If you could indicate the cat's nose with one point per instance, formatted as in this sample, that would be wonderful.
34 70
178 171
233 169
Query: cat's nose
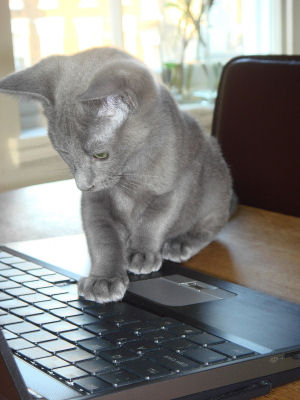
84 181
88 188
84 186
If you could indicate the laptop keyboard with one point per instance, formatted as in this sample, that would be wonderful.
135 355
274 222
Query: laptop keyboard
95 347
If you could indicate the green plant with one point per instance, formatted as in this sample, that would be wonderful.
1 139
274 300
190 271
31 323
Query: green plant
189 23
191 14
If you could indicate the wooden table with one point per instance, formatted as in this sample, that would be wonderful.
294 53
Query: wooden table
257 248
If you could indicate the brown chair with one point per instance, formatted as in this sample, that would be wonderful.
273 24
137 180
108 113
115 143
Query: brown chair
257 122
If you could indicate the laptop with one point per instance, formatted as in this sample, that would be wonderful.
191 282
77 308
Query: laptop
178 334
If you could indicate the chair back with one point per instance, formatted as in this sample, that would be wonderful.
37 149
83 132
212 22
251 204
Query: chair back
257 122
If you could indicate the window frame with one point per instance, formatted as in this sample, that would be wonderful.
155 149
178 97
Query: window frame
27 161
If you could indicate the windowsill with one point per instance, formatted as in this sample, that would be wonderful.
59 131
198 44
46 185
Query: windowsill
34 132
203 114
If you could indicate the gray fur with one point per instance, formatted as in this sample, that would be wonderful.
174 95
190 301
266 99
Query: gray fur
165 189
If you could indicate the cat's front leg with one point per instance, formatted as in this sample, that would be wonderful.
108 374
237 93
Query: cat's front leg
144 247
143 260
108 278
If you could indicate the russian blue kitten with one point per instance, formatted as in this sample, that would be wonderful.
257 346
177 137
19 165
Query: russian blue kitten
153 185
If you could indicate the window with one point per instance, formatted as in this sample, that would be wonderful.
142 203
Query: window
188 57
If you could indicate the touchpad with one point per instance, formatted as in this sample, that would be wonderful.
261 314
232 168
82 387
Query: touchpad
177 290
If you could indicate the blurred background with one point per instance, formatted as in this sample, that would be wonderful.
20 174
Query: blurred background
185 42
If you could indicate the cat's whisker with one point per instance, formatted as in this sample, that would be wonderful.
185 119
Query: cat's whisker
142 175
133 185
128 189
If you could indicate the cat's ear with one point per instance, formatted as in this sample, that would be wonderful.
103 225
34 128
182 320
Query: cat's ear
36 82
128 81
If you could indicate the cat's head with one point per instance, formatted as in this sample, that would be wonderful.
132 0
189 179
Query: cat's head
92 101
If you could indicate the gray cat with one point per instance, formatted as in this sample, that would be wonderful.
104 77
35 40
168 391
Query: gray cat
153 185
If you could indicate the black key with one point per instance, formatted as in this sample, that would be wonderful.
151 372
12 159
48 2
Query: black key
91 384
184 330
205 339
42 272
173 361
33 353
7 319
12 259
113 308
141 347
158 336
100 328
117 355
37 284
121 336
204 356
81 304
88 309
146 369
35 298
180 345
82 319
27 311
166 322
52 290
4 296
22 327
95 345
119 377
57 278
58 327
121 320
66 312
4 254
141 327
74 356
23 278
27 266
69 373
7 284
19 291
9 272
124 308
52 362
66 297
232 350
55 346
42 319
50 305
77 335
18 344
39 336
8 335
12 303
95 365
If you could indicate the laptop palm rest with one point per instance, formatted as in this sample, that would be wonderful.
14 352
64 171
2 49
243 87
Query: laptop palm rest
177 291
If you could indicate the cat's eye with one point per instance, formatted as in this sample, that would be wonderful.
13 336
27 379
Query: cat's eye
101 156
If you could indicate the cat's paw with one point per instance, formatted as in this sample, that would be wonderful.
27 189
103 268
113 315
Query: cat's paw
178 250
101 289
144 263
